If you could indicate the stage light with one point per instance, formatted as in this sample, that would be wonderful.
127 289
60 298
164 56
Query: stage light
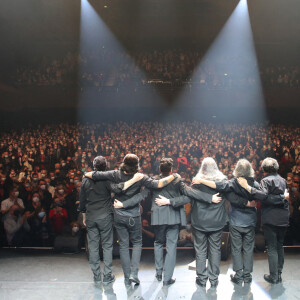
233 89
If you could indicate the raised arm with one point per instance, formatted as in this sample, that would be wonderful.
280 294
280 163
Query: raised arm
258 194
209 183
125 185
99 176
158 184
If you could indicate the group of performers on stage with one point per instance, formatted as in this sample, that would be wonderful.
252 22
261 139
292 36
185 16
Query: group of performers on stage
169 194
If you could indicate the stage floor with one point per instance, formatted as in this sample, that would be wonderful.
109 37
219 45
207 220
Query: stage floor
43 274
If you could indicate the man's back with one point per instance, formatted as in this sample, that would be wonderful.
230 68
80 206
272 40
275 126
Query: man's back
95 198
274 215
167 214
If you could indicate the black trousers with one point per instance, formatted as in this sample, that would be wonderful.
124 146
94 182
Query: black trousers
274 236
165 234
242 244
101 228
207 244
129 228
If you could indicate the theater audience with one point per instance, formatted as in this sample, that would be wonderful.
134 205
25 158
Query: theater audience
59 154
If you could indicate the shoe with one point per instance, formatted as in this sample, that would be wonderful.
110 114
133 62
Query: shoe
214 285
279 277
269 279
158 277
236 280
97 280
134 279
247 280
127 282
107 279
169 282
198 282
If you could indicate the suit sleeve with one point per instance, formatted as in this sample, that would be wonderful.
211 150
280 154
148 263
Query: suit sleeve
116 188
136 198
149 182
83 196
195 193
179 201
262 192
224 186
274 200
236 200
107 175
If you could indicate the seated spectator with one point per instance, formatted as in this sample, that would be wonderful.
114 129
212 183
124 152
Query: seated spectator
58 216
39 226
72 202
186 237
12 200
45 196
16 226
75 228
147 234
61 193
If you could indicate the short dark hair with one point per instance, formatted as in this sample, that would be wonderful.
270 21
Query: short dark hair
130 164
166 165
270 165
99 163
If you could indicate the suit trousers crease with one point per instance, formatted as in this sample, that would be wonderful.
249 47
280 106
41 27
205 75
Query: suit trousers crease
129 228
165 234
242 245
274 236
207 244
100 229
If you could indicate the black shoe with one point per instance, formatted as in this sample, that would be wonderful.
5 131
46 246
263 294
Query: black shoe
158 277
169 282
134 279
236 280
108 279
97 280
279 277
269 279
198 282
127 282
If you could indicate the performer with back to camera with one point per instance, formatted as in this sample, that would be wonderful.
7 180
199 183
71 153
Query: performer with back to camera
208 219
128 220
96 207
275 218
242 220
166 219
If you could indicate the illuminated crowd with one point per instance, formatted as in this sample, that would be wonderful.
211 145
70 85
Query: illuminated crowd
41 168
107 67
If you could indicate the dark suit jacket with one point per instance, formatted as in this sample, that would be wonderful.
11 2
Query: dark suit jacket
168 215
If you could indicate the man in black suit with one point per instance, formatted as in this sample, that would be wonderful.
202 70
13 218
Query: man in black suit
127 220
166 219
96 206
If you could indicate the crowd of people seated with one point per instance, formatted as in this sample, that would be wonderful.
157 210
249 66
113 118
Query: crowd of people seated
41 168
116 68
